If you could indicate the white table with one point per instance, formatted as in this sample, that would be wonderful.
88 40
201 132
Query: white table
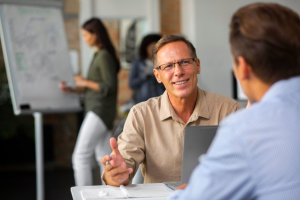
77 195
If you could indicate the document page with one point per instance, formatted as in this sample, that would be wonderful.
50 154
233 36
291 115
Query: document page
147 190
103 192
124 192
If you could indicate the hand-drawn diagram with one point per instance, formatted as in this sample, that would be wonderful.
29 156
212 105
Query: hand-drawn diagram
39 48
27 38
40 55
36 56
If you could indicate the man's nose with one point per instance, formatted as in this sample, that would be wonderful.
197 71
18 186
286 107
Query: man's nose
178 69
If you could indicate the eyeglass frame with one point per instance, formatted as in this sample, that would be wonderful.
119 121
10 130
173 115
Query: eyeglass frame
159 67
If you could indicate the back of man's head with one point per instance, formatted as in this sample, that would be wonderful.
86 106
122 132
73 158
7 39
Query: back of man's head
267 36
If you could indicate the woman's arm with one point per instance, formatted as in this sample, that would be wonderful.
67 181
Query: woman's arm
65 89
84 83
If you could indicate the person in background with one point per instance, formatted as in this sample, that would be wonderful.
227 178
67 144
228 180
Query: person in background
142 79
100 89
255 154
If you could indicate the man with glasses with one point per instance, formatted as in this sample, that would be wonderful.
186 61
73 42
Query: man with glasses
154 130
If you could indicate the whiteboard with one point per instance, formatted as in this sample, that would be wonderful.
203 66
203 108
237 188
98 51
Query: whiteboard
36 57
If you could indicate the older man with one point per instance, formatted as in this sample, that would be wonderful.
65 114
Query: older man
154 130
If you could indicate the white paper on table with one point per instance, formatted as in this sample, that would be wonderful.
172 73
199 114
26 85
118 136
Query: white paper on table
93 194
147 190
131 191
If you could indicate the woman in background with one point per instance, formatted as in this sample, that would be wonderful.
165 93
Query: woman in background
142 78
100 89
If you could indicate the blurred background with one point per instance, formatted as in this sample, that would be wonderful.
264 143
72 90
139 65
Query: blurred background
204 23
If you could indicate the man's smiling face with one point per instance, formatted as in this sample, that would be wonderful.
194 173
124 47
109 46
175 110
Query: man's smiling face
180 83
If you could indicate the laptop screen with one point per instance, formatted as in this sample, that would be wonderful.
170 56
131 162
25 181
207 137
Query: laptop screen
197 140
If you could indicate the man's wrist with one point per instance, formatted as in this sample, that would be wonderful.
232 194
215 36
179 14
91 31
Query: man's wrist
103 179
127 181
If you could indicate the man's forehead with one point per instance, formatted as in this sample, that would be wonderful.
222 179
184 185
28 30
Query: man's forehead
173 51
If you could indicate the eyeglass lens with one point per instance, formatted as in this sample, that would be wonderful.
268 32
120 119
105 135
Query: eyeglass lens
182 63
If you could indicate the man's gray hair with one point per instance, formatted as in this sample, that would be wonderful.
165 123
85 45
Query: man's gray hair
169 39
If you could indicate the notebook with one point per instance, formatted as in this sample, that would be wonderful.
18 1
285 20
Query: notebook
125 192
197 140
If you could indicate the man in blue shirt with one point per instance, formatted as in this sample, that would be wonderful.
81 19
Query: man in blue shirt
255 154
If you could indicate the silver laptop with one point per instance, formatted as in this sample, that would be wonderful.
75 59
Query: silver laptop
197 140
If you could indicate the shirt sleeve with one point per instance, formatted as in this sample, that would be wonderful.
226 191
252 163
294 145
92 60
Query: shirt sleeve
135 78
107 68
223 173
131 142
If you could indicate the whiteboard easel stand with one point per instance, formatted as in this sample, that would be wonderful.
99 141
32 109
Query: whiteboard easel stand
38 124
37 114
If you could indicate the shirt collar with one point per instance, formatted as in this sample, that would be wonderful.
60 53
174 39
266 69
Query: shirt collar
201 107
282 88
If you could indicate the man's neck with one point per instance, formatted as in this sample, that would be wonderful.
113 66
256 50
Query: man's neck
259 89
184 107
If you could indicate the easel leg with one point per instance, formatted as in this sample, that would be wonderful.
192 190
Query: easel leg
38 123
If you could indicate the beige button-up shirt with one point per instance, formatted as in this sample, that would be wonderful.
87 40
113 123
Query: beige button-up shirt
153 134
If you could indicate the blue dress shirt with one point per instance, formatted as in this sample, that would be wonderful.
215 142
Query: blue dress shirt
256 152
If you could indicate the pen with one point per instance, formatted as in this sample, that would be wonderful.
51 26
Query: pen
123 189
108 161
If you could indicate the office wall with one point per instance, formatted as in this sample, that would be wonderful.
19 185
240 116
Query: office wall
206 23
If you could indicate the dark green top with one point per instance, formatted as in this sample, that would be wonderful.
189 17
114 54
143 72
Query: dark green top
104 71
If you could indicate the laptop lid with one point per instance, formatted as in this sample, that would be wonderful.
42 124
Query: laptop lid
197 140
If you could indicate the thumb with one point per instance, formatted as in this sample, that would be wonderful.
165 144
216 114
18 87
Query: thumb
114 146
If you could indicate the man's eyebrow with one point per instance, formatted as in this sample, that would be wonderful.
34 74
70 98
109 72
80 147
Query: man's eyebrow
171 62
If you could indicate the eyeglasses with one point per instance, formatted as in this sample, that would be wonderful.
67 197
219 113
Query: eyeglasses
169 67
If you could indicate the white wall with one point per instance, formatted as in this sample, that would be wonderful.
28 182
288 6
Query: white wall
211 38
117 9
188 19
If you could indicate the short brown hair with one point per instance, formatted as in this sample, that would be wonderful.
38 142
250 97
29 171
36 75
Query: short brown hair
169 39
267 36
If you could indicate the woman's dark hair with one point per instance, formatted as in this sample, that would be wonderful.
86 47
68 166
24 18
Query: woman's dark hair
95 26
267 35
148 39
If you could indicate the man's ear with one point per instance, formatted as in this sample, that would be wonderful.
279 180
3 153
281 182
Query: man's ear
198 66
243 69
157 75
